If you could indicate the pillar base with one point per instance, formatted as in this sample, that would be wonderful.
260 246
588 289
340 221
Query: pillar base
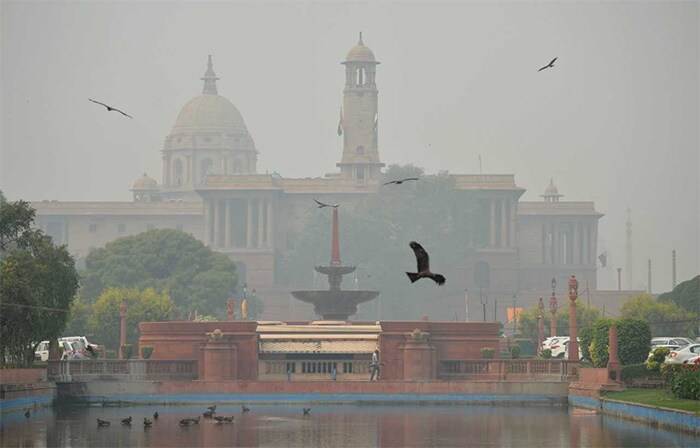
419 361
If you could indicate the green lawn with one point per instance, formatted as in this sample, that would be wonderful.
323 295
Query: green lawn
655 397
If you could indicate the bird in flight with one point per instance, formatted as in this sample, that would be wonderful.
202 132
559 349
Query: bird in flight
423 266
550 65
110 108
321 204
399 181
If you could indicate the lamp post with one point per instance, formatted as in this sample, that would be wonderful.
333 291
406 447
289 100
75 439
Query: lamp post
254 304
122 328
553 309
573 342
244 303
540 325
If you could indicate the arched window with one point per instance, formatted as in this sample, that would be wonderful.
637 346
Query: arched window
360 77
206 169
178 172
360 150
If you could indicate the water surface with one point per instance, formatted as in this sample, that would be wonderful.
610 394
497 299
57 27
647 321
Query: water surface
354 426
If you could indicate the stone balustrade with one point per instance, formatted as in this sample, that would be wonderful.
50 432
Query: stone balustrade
313 369
507 369
118 369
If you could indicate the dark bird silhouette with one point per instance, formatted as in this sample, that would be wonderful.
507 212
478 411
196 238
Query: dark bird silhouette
244 408
306 411
550 65
155 415
27 413
400 181
147 423
212 408
110 108
126 421
186 422
222 419
196 420
103 422
423 266
321 204
208 414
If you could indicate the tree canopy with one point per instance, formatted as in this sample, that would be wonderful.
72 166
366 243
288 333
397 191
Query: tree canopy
585 317
686 295
142 306
196 277
665 318
375 234
39 281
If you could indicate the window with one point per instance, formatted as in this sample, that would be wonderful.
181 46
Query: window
93 228
360 77
121 228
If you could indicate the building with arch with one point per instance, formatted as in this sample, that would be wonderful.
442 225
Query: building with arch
210 188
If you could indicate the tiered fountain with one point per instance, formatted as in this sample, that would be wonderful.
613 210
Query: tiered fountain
335 304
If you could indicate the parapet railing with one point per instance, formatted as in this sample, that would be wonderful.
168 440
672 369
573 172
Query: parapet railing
313 369
507 369
122 369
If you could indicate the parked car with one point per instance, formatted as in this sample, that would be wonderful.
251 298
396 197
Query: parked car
548 342
41 353
83 341
670 341
692 360
558 346
682 354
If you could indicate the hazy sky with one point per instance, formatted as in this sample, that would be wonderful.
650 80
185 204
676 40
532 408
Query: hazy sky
616 121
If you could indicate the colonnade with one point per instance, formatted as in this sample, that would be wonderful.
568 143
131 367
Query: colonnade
569 242
502 215
246 223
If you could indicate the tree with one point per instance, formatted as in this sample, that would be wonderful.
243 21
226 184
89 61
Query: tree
585 317
142 306
687 296
634 340
665 318
39 282
196 277
375 234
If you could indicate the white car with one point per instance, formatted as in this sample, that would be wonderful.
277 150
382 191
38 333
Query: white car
42 351
669 342
692 360
558 347
682 354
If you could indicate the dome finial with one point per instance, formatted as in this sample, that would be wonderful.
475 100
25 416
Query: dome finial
209 79
359 42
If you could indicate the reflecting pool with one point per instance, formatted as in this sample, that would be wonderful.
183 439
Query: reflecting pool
333 426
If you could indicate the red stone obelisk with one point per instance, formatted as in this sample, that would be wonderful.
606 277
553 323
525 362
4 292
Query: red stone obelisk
573 342
122 328
553 310
335 241
613 361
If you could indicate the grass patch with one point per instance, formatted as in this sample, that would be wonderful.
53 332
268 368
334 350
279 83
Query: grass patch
655 397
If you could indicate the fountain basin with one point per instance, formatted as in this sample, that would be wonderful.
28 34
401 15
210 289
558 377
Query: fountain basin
336 304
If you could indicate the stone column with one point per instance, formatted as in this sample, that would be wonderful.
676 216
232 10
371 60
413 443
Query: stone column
270 224
220 360
553 311
504 222
228 204
249 225
261 222
575 243
122 328
613 362
166 171
217 229
594 241
335 240
584 243
419 360
207 222
513 220
492 224
573 295
188 173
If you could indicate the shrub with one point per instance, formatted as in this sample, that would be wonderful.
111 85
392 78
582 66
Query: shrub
634 338
127 351
585 338
686 382
659 355
515 352
634 371
488 353
146 352
599 345
546 353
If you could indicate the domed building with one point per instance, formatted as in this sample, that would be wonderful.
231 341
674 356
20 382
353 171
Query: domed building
209 137
211 189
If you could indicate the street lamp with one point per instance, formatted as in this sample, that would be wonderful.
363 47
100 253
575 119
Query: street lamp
553 310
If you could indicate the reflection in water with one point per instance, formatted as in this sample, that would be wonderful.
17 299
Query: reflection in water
333 425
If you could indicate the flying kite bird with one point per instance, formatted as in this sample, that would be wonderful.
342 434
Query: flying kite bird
321 204
110 108
550 65
400 181
423 266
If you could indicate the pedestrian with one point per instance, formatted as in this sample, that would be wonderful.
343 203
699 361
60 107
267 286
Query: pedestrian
375 366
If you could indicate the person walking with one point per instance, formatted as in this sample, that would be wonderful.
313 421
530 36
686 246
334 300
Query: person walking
375 366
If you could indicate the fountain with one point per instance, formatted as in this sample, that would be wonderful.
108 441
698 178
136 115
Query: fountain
335 304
